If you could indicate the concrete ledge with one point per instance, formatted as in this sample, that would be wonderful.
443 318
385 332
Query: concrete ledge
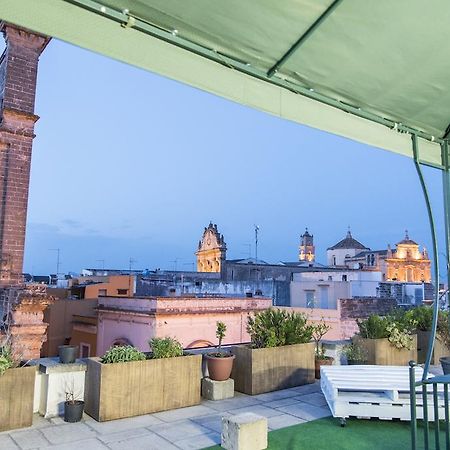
217 390
53 365
246 431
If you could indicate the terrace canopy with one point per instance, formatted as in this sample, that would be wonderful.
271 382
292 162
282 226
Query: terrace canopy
377 71
366 70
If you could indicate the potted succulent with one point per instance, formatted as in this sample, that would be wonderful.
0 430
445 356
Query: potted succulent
73 408
355 353
388 340
220 363
319 331
280 355
16 411
126 382
67 353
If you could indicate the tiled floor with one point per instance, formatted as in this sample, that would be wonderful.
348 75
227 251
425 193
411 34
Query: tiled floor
195 427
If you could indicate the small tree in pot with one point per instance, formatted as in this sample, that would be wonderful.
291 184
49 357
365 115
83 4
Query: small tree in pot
73 408
319 331
220 363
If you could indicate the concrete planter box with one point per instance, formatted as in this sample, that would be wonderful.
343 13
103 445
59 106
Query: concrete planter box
16 398
269 369
115 391
423 337
381 352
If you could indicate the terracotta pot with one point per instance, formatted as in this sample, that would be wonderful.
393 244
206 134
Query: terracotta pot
328 361
219 368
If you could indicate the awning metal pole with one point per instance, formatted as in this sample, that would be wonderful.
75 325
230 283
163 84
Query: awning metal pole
446 188
303 38
415 148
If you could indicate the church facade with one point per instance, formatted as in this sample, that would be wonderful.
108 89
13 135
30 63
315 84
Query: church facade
406 263
212 250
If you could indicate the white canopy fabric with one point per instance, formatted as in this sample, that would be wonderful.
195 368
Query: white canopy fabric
370 71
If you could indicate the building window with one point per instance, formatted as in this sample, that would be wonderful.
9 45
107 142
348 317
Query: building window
334 260
102 293
122 291
85 350
344 278
310 299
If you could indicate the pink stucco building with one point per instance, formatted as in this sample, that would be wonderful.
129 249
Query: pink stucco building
191 320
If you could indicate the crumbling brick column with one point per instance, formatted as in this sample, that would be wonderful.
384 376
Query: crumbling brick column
24 329
18 72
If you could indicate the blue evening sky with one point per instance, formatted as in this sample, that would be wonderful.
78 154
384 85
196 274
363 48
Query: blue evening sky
130 164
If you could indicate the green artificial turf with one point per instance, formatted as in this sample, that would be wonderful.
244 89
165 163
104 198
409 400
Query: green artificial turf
326 434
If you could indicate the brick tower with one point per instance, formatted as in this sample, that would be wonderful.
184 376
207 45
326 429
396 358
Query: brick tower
18 71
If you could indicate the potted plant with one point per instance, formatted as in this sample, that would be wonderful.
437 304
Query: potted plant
126 382
73 408
16 411
319 331
388 340
220 363
355 353
67 353
280 355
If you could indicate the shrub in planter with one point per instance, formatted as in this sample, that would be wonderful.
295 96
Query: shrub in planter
355 353
165 348
388 340
121 354
280 355
423 316
319 331
16 411
126 382
220 363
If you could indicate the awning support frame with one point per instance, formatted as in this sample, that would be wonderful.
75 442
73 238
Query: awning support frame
304 37
415 148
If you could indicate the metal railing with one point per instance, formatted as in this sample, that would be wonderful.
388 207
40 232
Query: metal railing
440 401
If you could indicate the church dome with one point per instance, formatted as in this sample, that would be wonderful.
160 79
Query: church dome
349 243
407 240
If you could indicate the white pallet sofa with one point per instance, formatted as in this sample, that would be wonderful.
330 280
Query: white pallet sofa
374 391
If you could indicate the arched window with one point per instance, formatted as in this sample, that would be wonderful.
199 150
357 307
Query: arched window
121 341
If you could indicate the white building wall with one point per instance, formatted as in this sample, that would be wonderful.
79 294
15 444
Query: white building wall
318 294
337 257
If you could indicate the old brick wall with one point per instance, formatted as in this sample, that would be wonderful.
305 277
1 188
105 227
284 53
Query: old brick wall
18 72
351 309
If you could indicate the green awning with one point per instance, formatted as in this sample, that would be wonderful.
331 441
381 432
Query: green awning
372 71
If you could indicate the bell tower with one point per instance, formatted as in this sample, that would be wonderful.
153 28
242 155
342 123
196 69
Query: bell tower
212 250
307 251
